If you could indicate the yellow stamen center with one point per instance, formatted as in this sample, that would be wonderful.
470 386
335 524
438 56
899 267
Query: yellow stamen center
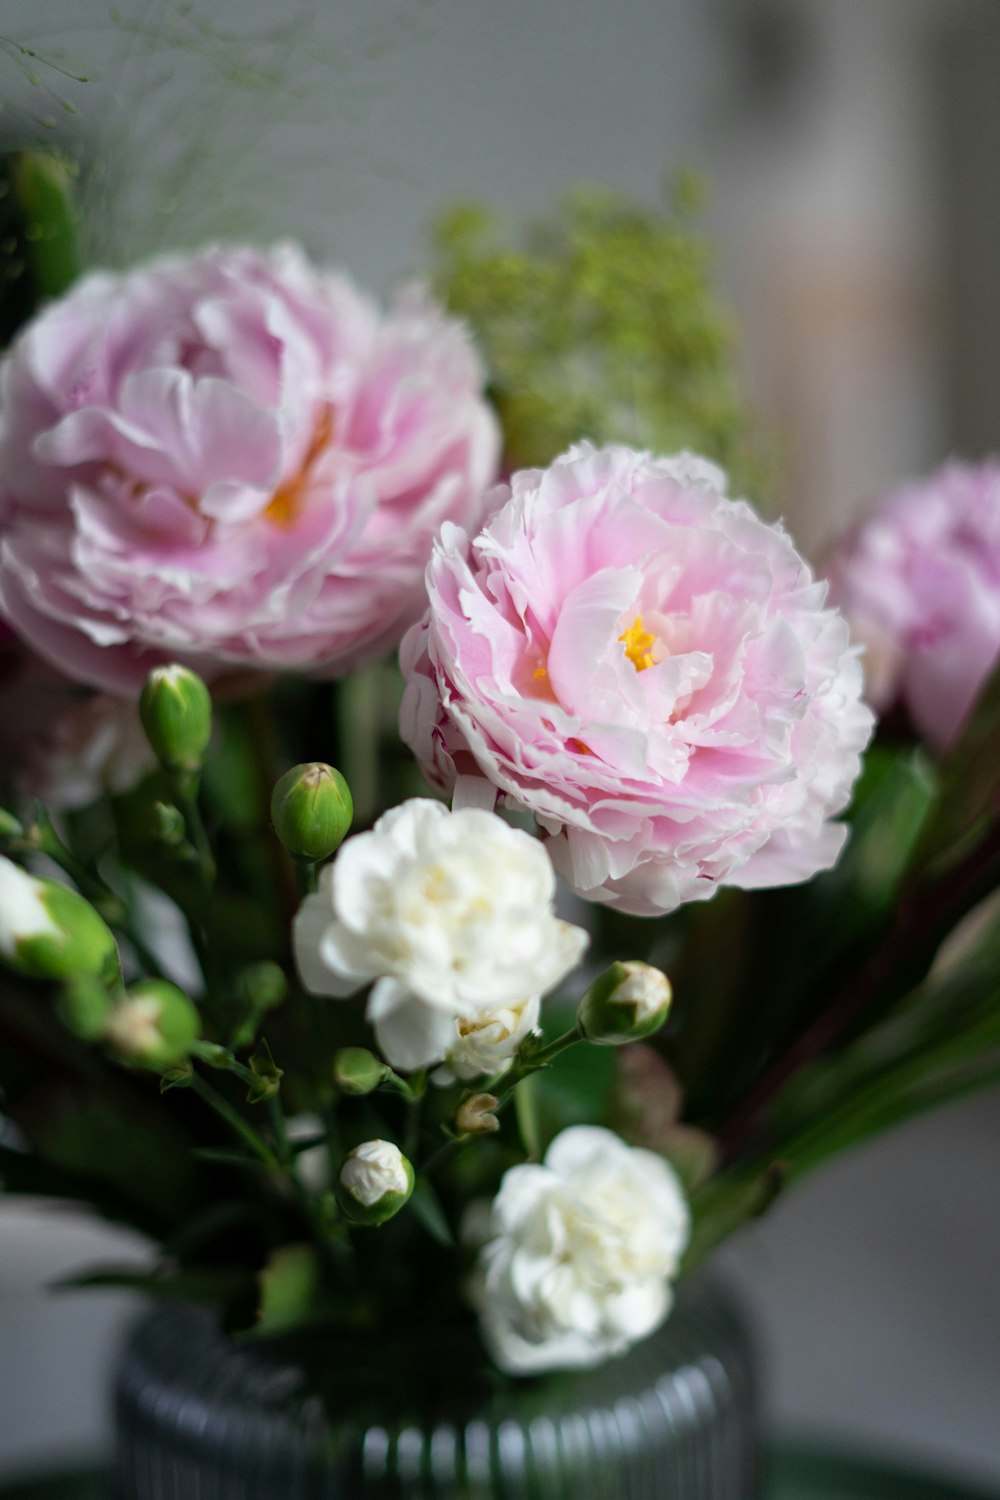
639 645
289 498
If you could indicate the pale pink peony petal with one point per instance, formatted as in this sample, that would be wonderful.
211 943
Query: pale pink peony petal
232 459
919 581
647 667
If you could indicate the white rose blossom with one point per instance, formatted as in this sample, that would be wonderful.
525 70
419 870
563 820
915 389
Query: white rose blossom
486 1042
579 1253
451 914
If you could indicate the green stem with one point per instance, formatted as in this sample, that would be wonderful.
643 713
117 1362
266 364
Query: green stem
43 837
234 1120
305 875
503 1088
186 791
279 1127
533 1063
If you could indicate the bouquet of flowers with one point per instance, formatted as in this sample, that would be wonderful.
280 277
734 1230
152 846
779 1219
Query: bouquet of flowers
384 1038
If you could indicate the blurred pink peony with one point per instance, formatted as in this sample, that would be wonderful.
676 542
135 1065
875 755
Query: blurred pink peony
919 581
231 458
647 667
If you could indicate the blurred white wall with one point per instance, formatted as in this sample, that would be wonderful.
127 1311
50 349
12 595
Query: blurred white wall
818 121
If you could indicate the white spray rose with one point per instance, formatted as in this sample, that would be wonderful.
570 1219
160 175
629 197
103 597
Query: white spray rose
579 1253
487 1041
450 913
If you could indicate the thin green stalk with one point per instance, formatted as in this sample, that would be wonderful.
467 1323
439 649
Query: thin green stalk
279 1127
186 791
43 837
240 1127
503 1088
533 1063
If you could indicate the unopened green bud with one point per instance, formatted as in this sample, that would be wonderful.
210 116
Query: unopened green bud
176 712
262 986
311 810
168 824
85 1006
374 1183
155 1026
267 1075
259 988
357 1071
48 931
10 828
475 1115
627 1002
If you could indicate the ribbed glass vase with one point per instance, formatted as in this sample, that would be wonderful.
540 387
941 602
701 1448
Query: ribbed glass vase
201 1418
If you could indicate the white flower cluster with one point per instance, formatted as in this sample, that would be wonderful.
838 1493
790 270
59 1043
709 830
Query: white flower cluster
579 1253
451 914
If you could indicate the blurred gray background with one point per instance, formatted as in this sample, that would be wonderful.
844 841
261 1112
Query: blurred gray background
852 147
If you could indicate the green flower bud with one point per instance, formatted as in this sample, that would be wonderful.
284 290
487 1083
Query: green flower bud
10 828
262 986
374 1183
259 988
48 931
357 1071
311 810
154 1027
85 1006
176 712
167 824
627 1002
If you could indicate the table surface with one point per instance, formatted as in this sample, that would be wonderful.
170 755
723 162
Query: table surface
792 1474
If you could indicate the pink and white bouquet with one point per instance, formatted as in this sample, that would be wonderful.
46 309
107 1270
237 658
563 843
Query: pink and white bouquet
231 487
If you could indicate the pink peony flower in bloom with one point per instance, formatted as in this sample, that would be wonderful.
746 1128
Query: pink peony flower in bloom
231 458
647 667
919 581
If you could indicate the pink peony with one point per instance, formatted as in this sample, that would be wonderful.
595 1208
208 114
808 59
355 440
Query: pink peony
647 667
231 458
919 581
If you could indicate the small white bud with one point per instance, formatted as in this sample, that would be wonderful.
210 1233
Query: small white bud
375 1181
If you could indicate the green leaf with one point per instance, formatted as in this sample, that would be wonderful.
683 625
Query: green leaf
288 1287
198 1284
426 1206
221 1157
969 802
725 1204
43 186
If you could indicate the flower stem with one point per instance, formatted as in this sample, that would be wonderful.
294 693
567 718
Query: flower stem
503 1090
234 1120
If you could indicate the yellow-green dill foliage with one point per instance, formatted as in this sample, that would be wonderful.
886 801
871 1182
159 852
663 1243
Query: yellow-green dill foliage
602 324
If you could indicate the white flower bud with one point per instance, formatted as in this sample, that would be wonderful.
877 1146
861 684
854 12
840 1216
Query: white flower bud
48 931
375 1181
154 1026
475 1115
627 1002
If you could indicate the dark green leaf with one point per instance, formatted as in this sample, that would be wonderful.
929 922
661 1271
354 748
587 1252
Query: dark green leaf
430 1215
288 1288
969 801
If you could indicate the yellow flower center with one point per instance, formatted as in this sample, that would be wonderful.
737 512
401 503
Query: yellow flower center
288 499
639 645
